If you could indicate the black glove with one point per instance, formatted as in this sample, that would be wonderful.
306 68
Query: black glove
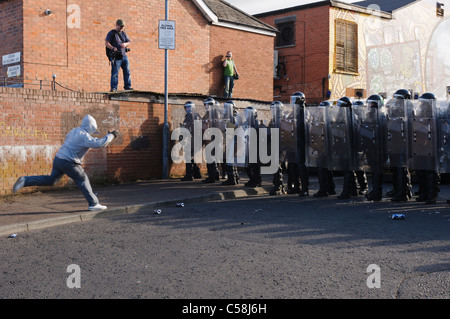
114 133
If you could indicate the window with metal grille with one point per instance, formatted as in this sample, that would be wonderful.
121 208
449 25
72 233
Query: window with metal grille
346 46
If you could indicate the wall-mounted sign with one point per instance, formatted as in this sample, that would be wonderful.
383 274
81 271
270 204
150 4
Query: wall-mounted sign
167 34
11 58
13 71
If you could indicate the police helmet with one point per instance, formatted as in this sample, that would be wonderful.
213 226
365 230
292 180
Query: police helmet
189 106
250 113
358 103
375 100
298 98
325 104
402 94
344 102
208 103
276 105
428 96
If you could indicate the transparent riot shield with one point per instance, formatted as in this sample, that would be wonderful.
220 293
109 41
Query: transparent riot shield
316 137
424 140
192 120
245 140
443 137
397 127
340 138
368 128
288 133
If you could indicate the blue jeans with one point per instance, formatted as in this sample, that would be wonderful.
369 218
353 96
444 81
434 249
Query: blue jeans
229 84
71 169
115 67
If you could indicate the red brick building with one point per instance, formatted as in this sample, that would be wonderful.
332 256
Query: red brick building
66 39
329 49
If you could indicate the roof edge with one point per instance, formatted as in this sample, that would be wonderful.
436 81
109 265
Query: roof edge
214 19
331 3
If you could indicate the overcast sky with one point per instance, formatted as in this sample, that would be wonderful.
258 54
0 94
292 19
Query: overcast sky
258 6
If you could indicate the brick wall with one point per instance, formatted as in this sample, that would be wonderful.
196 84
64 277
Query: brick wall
253 56
34 123
307 63
69 43
12 31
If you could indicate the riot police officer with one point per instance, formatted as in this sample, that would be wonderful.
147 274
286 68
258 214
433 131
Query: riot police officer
361 176
210 104
276 109
343 146
398 116
320 150
253 168
424 150
230 120
372 143
192 170
298 100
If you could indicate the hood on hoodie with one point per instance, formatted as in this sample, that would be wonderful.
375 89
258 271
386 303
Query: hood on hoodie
89 124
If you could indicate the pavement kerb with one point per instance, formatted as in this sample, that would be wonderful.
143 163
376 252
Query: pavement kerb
8 230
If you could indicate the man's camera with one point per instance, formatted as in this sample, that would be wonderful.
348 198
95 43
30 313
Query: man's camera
127 49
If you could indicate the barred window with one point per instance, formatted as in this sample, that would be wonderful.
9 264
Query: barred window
346 46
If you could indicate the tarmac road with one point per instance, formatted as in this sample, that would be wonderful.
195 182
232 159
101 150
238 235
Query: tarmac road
281 247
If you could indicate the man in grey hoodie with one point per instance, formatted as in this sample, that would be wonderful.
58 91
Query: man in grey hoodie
68 161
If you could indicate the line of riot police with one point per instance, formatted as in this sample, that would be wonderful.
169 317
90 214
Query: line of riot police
235 154
358 138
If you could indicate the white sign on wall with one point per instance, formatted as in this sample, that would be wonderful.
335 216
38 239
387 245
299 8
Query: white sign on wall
13 71
167 34
11 58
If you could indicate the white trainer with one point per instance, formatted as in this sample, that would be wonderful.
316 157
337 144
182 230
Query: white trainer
97 207
19 184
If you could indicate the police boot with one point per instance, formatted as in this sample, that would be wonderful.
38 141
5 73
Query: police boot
393 192
432 188
196 171
293 179
188 175
402 185
277 182
347 186
211 173
322 174
304 179
421 182
376 194
330 183
231 178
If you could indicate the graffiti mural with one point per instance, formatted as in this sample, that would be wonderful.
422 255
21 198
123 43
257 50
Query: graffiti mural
410 51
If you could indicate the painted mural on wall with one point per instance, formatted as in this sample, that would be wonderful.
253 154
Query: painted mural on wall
410 51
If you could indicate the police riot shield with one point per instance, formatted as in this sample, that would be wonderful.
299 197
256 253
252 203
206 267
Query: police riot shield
245 139
368 128
397 132
316 137
444 137
340 138
191 120
288 133
424 141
